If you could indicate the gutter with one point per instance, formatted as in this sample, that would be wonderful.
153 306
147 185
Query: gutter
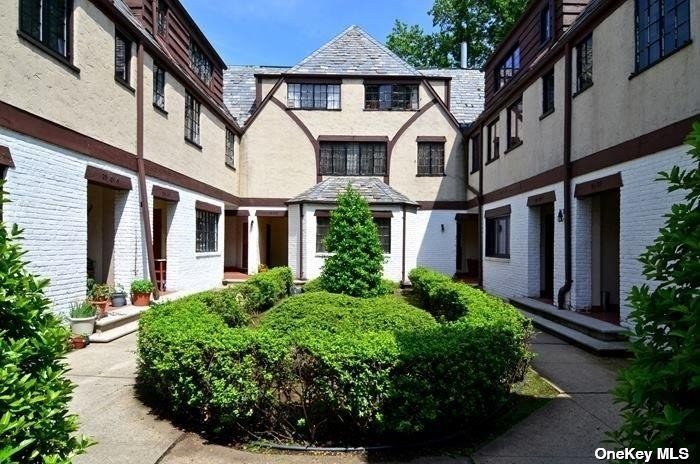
403 250
301 241
566 289
141 171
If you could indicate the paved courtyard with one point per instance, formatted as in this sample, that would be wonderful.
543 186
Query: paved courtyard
566 430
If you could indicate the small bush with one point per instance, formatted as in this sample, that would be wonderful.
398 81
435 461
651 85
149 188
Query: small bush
248 296
273 285
222 303
313 285
423 280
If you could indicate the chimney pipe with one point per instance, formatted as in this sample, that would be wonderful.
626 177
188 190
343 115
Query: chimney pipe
463 56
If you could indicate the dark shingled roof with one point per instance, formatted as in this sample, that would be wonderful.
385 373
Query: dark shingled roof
354 51
371 189
466 92
239 88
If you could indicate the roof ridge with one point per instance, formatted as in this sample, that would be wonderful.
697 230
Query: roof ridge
386 49
323 47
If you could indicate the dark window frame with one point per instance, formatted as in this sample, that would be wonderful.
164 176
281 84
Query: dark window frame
162 18
514 130
230 148
392 97
584 67
207 231
159 86
370 158
546 24
200 64
548 93
323 225
669 34
193 112
41 37
492 249
493 144
435 166
307 96
507 68
476 154
123 75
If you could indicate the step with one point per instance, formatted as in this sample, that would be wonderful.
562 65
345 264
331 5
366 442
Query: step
593 345
113 334
592 327
118 317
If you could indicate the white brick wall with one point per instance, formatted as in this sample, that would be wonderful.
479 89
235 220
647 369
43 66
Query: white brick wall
427 244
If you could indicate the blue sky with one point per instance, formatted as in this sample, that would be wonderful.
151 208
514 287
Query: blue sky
282 32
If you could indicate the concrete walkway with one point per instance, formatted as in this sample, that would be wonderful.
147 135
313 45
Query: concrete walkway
567 430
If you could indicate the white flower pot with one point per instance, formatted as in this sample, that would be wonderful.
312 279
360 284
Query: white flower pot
83 326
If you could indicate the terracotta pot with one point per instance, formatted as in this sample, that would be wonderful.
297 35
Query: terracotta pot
78 342
101 307
140 299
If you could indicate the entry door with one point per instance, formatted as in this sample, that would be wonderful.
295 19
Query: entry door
244 247
547 290
158 233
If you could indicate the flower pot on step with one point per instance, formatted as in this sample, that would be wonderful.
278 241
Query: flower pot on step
82 326
101 307
140 299
118 299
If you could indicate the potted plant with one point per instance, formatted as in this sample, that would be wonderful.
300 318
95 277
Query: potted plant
141 292
78 342
118 296
82 318
99 297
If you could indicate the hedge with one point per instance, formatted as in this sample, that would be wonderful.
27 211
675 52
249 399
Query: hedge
386 286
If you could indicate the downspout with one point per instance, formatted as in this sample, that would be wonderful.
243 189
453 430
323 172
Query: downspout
301 241
566 289
480 202
143 194
403 250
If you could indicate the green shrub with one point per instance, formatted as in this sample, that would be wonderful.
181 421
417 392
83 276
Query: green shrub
273 285
659 391
355 267
222 303
386 287
423 280
248 296
35 425
313 285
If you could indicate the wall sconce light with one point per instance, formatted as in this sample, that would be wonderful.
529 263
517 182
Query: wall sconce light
560 216
442 226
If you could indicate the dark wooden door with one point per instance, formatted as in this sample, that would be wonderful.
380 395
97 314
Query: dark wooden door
244 247
548 237
158 233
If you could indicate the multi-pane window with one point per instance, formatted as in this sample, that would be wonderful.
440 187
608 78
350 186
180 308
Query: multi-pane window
159 86
545 24
353 159
192 110
663 26
323 225
431 158
391 96
548 92
200 64
508 68
122 57
476 153
493 149
498 237
47 21
515 123
207 231
584 64
313 96
230 143
162 17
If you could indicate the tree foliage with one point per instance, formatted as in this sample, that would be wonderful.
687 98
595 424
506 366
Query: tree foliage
35 426
483 24
660 391
355 268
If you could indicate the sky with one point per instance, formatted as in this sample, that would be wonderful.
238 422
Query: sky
282 32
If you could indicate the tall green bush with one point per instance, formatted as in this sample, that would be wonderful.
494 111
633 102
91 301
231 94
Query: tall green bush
35 425
660 390
355 267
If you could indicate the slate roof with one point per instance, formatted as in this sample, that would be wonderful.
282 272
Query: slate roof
371 189
354 51
239 88
466 92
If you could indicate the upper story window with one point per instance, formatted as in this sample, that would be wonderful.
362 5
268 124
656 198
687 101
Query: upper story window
313 96
545 24
476 154
584 64
230 144
122 58
508 68
353 159
431 158
515 124
662 26
158 87
192 112
493 142
200 64
47 21
548 92
162 18
391 96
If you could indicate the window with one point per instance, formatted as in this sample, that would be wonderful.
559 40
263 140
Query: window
200 64
508 68
545 25
515 123
493 148
207 231
662 27
122 58
498 237
158 87
192 109
548 92
584 64
353 159
323 225
48 22
230 143
391 97
162 19
476 154
313 96
431 158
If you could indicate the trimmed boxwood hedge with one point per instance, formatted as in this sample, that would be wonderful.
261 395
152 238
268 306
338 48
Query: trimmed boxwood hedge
328 368
386 286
